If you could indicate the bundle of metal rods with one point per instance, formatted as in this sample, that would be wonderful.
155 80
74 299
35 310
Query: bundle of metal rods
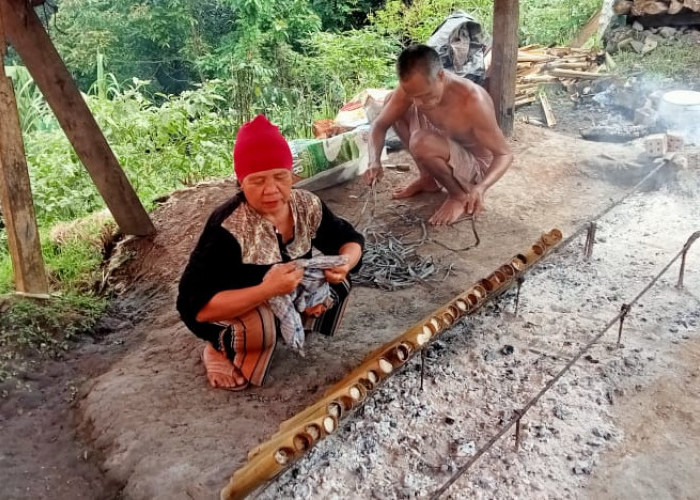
390 263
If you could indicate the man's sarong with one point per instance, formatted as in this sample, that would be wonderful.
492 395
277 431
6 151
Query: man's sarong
467 168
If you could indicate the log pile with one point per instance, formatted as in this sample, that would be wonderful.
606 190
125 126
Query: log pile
566 65
639 8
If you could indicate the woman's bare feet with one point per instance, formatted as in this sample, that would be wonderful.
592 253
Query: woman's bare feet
421 184
220 371
451 210
315 311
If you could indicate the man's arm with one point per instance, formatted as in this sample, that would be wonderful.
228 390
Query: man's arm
489 136
395 106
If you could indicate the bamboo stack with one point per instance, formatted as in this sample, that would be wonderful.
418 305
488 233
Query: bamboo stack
566 65
641 8
300 433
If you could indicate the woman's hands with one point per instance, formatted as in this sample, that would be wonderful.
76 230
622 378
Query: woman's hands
282 279
337 274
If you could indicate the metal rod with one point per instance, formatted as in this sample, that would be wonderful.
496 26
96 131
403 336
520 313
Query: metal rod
519 282
590 240
682 271
517 433
686 247
623 314
422 367
513 421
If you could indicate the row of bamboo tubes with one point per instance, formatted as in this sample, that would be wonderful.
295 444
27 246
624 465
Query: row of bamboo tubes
300 433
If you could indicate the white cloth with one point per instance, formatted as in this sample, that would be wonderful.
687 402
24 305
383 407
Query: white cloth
312 291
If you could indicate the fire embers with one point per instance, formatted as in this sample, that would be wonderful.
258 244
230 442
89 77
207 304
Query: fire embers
300 433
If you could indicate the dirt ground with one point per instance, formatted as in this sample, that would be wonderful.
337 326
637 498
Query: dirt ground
132 416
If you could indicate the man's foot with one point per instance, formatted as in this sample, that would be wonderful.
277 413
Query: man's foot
220 371
449 212
421 184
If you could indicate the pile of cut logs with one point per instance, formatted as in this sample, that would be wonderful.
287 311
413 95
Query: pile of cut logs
537 65
655 7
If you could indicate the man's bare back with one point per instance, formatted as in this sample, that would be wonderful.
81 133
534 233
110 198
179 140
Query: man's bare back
449 126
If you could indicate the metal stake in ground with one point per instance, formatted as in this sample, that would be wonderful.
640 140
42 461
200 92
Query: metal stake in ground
686 247
520 280
517 430
623 314
590 240
422 367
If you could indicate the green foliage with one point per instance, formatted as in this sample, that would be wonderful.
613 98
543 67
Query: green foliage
553 21
150 40
343 15
372 57
34 113
416 23
72 266
679 61
161 147
46 326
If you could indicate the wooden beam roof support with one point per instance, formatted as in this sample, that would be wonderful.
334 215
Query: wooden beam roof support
25 32
16 193
504 64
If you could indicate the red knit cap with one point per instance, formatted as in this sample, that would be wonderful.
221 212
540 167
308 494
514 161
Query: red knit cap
260 146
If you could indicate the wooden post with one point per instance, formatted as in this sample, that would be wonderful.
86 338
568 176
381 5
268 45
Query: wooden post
16 193
25 32
505 62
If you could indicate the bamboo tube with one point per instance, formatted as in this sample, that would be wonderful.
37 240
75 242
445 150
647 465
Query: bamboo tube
300 433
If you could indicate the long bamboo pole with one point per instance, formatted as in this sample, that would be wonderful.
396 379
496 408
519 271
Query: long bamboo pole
301 432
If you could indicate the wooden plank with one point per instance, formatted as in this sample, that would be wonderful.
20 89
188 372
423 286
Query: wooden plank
524 101
570 73
590 29
16 198
526 57
505 60
547 109
28 37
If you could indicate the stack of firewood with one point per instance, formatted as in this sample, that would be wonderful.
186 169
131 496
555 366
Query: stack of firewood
655 7
537 65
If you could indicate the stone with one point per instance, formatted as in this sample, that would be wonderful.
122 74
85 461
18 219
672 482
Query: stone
667 31
649 45
637 46
637 26
582 468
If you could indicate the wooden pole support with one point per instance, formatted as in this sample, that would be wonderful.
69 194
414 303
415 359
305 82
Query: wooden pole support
16 195
505 62
25 32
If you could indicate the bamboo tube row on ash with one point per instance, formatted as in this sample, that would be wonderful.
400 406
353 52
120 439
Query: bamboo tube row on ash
538 65
655 7
300 433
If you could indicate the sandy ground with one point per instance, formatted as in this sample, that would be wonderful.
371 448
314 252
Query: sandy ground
149 427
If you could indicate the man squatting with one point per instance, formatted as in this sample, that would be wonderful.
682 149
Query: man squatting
448 124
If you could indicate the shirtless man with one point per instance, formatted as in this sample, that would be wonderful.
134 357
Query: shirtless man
449 126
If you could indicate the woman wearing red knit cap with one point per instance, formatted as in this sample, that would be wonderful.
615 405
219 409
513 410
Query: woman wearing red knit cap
250 255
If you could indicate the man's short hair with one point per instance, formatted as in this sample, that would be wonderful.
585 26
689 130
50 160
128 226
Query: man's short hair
418 58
